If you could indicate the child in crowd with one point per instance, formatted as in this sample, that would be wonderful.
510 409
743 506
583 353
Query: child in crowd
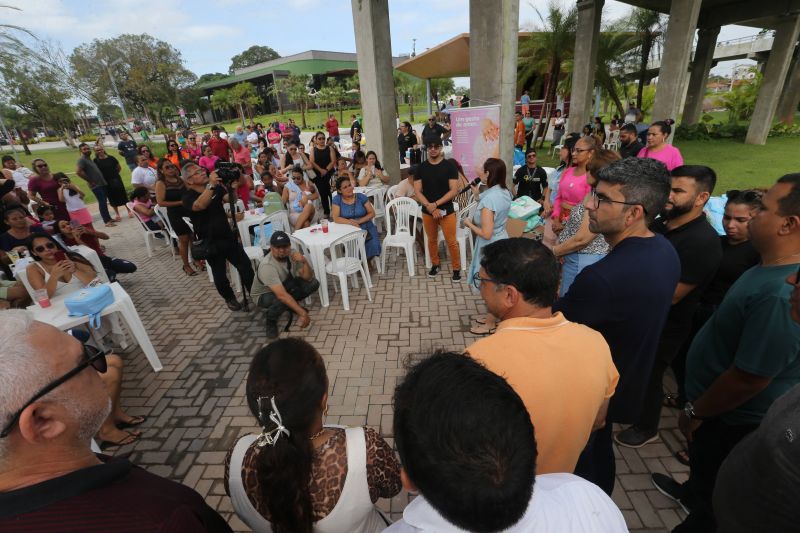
143 206
72 196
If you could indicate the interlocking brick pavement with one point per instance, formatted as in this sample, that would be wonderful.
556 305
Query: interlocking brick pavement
196 407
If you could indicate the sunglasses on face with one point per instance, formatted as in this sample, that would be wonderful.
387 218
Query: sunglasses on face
41 165
91 357
41 248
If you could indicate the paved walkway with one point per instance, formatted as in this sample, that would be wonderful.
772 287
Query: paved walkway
196 407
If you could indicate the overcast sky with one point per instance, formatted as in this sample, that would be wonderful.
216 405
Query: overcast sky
209 32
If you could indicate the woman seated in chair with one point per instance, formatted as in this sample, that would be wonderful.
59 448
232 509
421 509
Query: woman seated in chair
143 207
350 207
342 171
299 475
73 236
372 174
61 272
299 196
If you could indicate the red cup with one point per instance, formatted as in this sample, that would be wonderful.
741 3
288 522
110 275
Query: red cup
324 226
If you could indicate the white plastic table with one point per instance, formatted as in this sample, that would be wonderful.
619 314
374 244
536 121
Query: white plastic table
251 220
57 316
317 242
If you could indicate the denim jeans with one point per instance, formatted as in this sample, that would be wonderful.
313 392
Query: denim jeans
102 202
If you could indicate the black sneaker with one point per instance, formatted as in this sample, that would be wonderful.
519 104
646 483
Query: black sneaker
233 305
634 437
457 276
669 488
432 273
272 329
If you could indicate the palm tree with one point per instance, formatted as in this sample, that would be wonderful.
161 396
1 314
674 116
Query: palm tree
544 53
222 100
244 96
649 27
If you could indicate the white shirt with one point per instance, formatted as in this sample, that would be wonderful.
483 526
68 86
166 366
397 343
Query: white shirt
146 177
562 503
252 138
20 178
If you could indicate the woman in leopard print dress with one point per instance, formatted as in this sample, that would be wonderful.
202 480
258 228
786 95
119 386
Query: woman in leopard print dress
300 475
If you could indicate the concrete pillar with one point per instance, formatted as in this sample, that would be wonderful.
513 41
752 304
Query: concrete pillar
675 60
428 95
586 44
787 106
374 51
703 61
494 32
786 33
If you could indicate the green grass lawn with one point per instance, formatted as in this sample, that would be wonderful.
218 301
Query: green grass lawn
315 120
65 159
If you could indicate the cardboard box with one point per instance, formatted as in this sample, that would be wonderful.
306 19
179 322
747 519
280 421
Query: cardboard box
515 227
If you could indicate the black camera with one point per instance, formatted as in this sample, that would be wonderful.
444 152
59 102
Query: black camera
228 172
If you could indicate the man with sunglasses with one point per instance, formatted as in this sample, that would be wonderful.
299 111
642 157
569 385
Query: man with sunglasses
531 180
51 403
433 131
562 371
626 295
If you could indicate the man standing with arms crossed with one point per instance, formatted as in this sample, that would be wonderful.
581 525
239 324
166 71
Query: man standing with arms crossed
435 186
626 295
88 170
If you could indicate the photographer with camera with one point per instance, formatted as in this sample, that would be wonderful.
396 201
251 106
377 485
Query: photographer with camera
204 198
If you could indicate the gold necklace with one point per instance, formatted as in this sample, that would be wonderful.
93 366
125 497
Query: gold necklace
778 260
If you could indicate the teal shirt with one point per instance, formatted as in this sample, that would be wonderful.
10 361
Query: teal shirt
751 330
528 122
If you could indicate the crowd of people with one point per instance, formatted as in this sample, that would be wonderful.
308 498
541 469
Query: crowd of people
628 280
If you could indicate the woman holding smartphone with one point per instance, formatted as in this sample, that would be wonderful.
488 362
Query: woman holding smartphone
55 269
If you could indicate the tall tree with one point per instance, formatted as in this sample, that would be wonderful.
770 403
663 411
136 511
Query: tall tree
544 53
211 76
148 72
277 90
297 92
649 27
252 56
408 89
441 88
244 97
222 100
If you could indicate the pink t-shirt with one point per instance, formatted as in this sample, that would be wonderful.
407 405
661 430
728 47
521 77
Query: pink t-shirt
243 158
571 189
669 155
208 162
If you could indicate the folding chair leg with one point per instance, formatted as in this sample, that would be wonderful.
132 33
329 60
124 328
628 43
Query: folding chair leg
147 244
345 295
366 284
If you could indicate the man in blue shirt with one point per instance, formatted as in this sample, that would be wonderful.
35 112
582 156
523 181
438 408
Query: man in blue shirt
625 296
744 358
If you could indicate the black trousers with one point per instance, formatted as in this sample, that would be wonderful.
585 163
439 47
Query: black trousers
229 252
323 184
672 339
298 288
711 444
596 462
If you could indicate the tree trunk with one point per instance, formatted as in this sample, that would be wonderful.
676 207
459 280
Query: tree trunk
647 46
303 115
549 96
23 141
411 107
341 113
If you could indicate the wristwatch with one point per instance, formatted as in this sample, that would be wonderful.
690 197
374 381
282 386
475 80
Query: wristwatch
688 410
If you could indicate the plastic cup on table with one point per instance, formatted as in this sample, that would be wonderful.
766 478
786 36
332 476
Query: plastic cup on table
41 297
324 224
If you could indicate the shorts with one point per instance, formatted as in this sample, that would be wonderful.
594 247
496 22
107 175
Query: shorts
4 286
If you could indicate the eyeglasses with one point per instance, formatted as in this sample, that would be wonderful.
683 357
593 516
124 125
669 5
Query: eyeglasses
92 357
477 280
599 198
747 196
43 247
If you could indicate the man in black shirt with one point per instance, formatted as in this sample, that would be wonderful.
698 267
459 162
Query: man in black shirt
435 186
531 180
127 149
433 131
626 295
204 198
629 144
355 126
684 225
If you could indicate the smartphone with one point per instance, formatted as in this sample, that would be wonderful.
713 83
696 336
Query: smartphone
60 256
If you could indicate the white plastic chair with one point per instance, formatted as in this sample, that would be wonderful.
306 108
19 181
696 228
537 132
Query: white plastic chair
162 212
556 148
463 236
378 199
351 261
239 207
612 142
149 233
279 221
401 228
391 193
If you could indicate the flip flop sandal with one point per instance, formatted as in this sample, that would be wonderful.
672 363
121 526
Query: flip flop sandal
190 271
135 421
672 401
481 329
130 439
479 319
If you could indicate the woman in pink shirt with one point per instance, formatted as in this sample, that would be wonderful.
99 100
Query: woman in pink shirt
573 187
208 160
657 147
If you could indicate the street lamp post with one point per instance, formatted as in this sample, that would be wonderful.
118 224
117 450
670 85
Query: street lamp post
114 86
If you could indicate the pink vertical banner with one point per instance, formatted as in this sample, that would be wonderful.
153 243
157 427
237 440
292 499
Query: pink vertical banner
475 133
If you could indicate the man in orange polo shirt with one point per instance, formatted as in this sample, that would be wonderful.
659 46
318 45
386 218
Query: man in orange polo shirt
563 371
519 131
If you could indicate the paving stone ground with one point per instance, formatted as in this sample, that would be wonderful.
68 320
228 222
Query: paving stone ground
196 409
